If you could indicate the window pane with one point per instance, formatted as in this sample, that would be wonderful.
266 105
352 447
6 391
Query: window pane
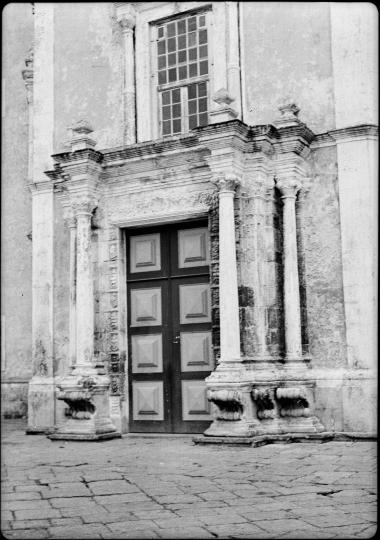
171 45
166 128
192 106
176 109
192 39
161 77
161 47
192 23
165 113
176 95
203 68
171 29
165 98
182 42
181 26
192 70
161 32
193 121
192 91
182 73
202 20
203 51
203 121
172 75
203 36
172 59
182 55
176 126
202 104
202 89
192 54
161 62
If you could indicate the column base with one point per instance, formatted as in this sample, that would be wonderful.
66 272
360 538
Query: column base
41 405
88 414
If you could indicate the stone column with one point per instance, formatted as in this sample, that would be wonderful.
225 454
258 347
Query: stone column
72 224
127 21
84 289
228 285
288 188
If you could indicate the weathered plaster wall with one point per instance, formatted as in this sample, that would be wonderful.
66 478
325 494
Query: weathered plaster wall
286 56
16 246
321 263
88 74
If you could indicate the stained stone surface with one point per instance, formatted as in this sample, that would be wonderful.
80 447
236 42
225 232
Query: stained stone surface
166 487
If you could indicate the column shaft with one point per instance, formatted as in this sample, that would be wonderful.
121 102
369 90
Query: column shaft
228 286
293 340
72 285
84 293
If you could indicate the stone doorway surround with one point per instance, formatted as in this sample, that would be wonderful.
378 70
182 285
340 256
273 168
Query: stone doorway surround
232 173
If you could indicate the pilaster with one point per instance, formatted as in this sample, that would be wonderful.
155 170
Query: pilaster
126 17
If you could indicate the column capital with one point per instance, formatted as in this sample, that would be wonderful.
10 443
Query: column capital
82 204
226 183
127 19
288 187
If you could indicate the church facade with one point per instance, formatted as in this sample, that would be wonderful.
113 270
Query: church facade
197 245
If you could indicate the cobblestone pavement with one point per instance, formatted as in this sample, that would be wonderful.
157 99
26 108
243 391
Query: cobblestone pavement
170 488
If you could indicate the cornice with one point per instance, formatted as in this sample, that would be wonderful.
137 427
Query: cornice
354 132
330 138
88 154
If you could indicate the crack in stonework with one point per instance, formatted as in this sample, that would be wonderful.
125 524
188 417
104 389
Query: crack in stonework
326 493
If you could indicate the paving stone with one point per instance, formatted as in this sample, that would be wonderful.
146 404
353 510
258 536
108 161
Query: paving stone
276 526
191 532
131 534
65 522
21 496
237 530
74 511
175 499
30 524
218 495
178 522
132 525
20 534
227 518
76 502
36 505
78 531
111 487
122 497
6 515
334 519
107 517
42 514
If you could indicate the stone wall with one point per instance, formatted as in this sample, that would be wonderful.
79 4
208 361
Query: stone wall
286 57
88 72
16 214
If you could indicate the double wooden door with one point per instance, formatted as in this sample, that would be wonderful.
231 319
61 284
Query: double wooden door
169 328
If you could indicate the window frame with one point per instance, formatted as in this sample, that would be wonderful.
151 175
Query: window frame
158 89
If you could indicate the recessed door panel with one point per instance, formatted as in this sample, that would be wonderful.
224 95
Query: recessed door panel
195 405
195 303
196 351
148 401
147 353
193 248
146 307
145 253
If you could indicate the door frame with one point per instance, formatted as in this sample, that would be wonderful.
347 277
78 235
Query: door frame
124 227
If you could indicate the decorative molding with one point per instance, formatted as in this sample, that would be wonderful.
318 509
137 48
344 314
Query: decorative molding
226 183
288 116
288 187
